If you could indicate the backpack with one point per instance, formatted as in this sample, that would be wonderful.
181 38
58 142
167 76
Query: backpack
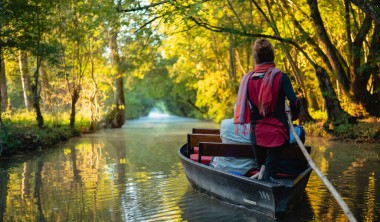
300 132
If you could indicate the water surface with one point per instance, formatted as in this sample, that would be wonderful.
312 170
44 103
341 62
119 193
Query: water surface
134 174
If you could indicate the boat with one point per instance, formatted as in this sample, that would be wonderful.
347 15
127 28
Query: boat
267 198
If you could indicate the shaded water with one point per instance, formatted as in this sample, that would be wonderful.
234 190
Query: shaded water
134 174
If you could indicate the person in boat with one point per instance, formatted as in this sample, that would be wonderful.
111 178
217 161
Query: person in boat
234 165
261 100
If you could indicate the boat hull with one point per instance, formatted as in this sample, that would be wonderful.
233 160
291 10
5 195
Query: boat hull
267 198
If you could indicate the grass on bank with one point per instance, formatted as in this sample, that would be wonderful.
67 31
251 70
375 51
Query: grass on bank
365 131
19 132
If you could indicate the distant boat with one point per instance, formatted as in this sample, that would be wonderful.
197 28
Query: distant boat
271 199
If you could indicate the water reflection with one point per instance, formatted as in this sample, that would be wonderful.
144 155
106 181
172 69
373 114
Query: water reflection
134 174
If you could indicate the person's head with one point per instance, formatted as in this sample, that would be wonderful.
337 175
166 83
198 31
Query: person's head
262 51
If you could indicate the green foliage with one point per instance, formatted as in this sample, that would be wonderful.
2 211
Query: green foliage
15 138
137 105
19 132
315 129
318 114
7 139
362 132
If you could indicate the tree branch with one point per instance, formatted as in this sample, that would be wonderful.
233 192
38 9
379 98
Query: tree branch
369 7
306 36
331 51
237 16
252 35
140 8
149 22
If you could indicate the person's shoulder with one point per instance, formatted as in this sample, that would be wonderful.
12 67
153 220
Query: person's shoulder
285 77
284 74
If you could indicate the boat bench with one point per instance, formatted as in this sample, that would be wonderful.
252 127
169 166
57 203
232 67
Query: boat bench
193 140
243 150
292 155
233 150
202 134
205 131
203 144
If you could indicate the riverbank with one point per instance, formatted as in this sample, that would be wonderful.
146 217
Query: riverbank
16 139
365 131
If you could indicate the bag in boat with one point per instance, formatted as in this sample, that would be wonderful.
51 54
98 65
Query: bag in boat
300 132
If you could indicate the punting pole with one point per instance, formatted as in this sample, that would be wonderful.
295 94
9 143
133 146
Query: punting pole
329 186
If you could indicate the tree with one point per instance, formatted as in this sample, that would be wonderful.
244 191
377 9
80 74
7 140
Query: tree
365 83
333 65
116 117
3 85
25 79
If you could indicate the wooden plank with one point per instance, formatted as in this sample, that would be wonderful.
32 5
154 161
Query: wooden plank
205 131
225 149
244 150
194 139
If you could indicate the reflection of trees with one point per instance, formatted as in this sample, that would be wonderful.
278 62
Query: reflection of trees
351 169
150 167
95 156
78 192
26 177
38 190
4 178
364 178
119 149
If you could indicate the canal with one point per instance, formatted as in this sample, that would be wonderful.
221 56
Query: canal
134 174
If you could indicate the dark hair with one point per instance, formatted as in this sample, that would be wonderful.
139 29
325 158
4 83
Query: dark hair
262 51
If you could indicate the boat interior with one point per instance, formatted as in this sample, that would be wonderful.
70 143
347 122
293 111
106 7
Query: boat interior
204 144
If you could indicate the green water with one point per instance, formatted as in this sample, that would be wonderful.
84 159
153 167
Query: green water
134 174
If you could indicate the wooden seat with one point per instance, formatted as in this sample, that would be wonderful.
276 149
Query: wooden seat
292 156
244 150
193 140
203 146
205 131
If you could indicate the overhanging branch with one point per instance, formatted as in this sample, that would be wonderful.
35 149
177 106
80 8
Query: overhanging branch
140 8
252 35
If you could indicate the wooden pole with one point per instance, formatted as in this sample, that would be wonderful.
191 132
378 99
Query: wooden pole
329 186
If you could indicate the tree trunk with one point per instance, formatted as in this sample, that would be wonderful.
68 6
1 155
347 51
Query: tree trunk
74 100
116 118
25 79
232 58
93 100
336 114
370 79
307 38
36 95
36 105
330 50
3 85
45 88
